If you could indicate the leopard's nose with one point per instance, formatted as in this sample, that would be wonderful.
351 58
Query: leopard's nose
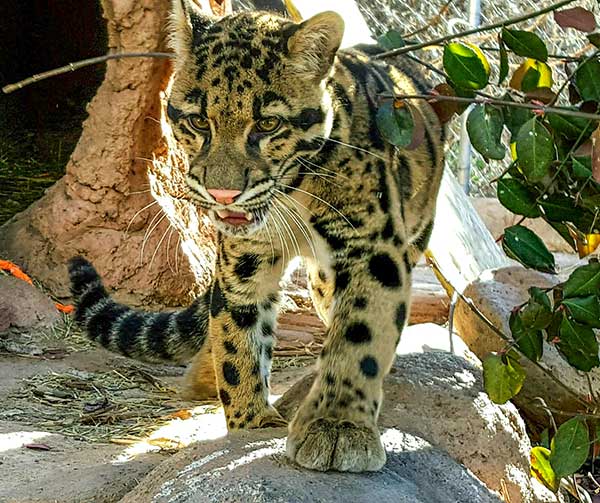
224 196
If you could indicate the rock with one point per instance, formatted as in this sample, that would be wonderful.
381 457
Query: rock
24 306
251 467
438 397
496 293
497 218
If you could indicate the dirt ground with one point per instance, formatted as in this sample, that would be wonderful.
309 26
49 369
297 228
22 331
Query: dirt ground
80 424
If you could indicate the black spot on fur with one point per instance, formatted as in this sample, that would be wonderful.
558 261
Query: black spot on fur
266 329
329 379
258 388
360 394
388 230
423 239
244 316
224 396
347 383
342 280
401 315
230 347
249 417
231 425
369 366
384 270
247 266
360 302
237 414
231 373
358 333
217 300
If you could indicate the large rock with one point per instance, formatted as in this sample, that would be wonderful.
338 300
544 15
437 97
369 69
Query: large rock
445 440
251 467
439 397
24 306
495 294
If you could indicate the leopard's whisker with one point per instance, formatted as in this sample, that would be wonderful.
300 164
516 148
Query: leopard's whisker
300 224
148 234
320 200
322 168
148 206
158 245
349 145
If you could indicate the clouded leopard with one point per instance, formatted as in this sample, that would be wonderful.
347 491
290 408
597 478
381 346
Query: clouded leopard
279 128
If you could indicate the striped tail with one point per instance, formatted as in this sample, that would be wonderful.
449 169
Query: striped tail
172 336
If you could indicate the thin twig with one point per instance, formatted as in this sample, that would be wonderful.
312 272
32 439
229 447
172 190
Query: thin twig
493 101
71 67
480 29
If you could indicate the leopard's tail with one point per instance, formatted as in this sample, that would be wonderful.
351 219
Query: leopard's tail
169 336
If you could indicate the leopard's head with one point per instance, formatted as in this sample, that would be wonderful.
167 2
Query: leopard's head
249 107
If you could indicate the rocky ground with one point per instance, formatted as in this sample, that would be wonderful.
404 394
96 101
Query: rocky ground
80 424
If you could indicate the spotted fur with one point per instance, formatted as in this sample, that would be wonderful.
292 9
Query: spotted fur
323 184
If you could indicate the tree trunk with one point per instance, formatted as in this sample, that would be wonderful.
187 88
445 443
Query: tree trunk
97 209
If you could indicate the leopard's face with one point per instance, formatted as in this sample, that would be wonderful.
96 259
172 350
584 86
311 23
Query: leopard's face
249 107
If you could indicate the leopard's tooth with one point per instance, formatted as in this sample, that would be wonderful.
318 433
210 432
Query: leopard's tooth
222 213
249 216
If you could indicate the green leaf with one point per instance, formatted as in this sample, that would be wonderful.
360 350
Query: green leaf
502 377
504 68
536 316
573 128
464 67
484 125
584 309
560 208
526 247
530 80
570 447
391 40
525 43
587 80
541 468
584 280
594 39
516 197
578 345
535 150
529 341
395 124
515 117
582 167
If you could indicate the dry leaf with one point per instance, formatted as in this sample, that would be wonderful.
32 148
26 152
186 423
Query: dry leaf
38 447
579 18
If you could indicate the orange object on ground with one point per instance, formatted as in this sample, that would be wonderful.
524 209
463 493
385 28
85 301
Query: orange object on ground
15 270
67 309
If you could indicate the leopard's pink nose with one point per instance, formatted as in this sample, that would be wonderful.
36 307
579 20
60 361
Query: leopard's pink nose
224 196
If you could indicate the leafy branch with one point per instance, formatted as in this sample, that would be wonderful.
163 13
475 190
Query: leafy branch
473 31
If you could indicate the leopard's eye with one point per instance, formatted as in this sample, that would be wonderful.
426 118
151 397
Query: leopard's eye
198 123
268 125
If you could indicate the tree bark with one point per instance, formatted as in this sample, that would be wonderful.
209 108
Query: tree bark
96 210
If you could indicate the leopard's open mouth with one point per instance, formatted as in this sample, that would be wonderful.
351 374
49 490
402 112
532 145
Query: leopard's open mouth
239 222
235 218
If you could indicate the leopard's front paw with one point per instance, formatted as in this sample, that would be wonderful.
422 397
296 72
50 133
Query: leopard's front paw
330 444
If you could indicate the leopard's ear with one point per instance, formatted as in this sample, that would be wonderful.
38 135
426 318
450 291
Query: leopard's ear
314 42
187 20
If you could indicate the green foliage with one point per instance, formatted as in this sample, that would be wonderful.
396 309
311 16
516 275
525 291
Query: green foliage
569 447
523 245
553 176
465 67
503 377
